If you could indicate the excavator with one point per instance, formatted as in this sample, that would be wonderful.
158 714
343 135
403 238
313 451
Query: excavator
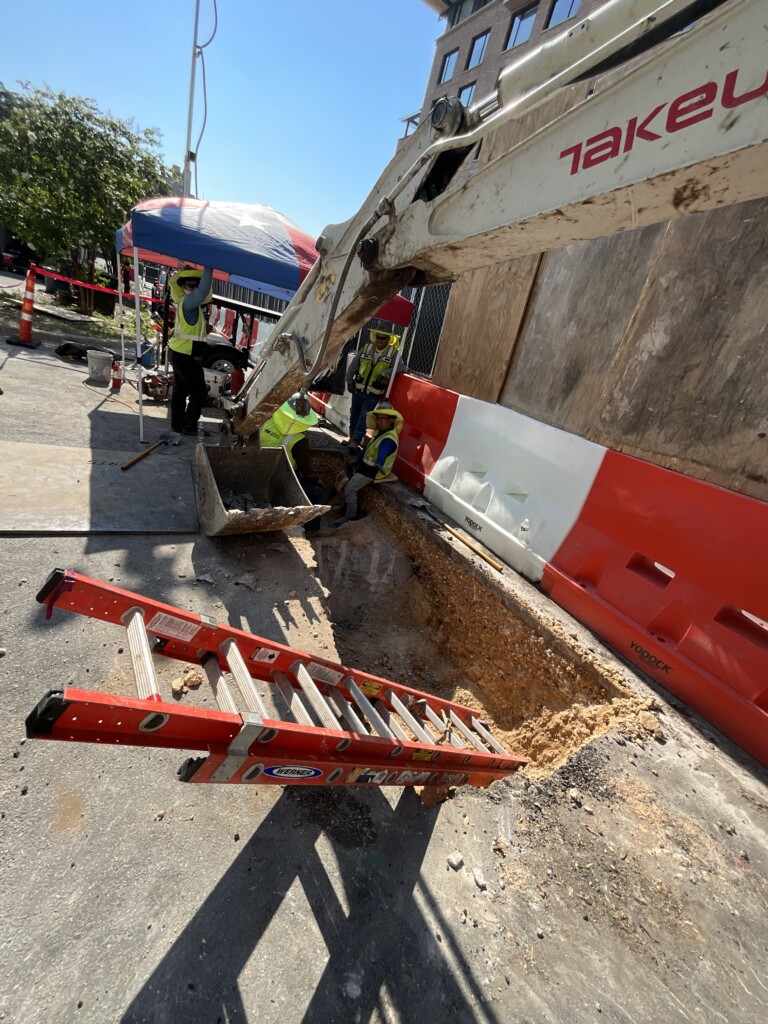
681 130
677 125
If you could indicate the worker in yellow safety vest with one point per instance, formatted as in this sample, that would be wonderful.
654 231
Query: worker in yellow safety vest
368 377
375 463
287 428
190 289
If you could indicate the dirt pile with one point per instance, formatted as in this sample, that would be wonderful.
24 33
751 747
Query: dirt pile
456 638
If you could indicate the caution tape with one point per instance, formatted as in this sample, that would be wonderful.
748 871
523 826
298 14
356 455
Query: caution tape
92 287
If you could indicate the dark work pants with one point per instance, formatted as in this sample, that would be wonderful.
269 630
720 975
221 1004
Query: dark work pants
189 391
361 405
316 495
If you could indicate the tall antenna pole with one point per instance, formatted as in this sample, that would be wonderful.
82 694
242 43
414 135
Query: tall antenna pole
188 155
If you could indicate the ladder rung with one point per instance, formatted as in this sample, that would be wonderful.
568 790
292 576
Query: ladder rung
346 710
313 695
219 685
487 736
378 724
466 731
243 678
394 725
292 698
410 720
141 656
444 728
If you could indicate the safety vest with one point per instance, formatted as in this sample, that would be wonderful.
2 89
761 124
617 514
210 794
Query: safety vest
282 431
372 450
185 333
368 376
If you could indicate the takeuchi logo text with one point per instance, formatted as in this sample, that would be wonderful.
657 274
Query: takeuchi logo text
685 110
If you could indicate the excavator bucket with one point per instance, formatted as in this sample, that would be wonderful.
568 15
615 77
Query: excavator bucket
247 490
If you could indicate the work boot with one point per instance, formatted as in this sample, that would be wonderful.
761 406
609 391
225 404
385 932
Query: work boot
344 521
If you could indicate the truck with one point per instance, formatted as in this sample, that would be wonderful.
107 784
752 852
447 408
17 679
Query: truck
624 544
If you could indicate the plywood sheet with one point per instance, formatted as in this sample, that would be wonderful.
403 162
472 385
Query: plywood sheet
481 326
52 489
688 386
581 305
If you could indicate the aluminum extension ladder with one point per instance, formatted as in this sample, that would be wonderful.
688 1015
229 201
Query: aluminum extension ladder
341 726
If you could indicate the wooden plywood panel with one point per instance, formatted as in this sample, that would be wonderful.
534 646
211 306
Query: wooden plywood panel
582 303
688 386
481 325
487 306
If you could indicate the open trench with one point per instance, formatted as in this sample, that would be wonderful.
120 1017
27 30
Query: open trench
404 607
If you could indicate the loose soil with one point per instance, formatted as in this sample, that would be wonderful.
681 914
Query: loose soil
407 610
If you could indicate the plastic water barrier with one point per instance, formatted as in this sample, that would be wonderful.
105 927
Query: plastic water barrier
671 572
668 570
513 483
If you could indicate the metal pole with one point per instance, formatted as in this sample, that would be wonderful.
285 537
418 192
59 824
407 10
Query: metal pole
186 180
137 306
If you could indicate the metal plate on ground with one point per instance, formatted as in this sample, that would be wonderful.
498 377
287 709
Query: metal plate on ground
52 489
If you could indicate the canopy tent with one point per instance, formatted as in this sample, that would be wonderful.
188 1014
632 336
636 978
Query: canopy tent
249 245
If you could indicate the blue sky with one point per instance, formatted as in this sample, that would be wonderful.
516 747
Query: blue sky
304 97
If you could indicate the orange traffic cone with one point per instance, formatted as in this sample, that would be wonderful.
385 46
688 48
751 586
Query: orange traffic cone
25 326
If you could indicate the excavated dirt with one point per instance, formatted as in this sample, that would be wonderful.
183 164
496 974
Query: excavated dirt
456 638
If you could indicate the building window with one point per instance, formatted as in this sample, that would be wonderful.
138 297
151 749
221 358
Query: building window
449 66
466 94
462 10
521 27
477 50
562 10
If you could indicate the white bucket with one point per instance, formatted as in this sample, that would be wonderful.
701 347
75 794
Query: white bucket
99 367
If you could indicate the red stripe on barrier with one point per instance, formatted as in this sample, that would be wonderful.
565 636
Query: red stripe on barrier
671 572
428 413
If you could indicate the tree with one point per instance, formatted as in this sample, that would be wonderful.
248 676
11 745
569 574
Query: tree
69 175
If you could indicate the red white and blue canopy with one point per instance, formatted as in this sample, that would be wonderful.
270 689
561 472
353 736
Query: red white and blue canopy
249 245
246 244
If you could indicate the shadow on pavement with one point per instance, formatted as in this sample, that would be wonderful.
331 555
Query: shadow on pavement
382 958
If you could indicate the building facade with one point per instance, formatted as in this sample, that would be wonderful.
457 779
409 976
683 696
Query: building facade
483 36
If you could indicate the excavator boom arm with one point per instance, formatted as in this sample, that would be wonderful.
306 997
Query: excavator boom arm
684 130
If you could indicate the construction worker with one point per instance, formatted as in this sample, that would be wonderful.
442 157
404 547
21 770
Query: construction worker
287 428
375 463
368 377
190 290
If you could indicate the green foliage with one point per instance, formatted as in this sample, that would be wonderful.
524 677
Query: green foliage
69 175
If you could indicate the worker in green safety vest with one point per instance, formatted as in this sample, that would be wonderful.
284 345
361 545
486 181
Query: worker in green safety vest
368 377
374 464
287 428
190 290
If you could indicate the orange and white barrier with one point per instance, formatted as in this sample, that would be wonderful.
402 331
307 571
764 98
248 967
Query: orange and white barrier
24 337
668 570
